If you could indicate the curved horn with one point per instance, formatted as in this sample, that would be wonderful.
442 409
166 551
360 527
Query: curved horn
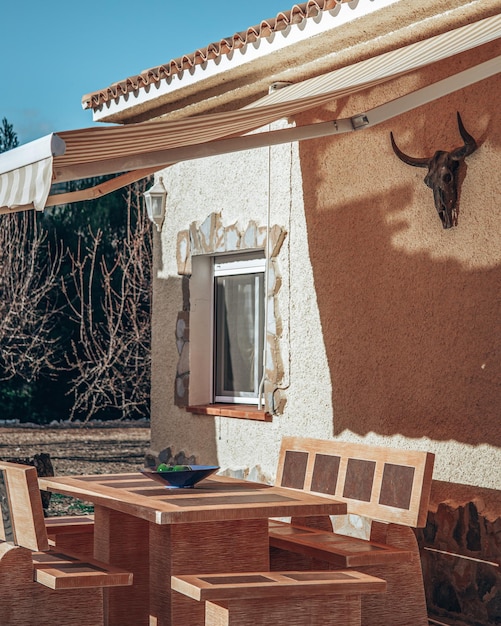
470 145
408 159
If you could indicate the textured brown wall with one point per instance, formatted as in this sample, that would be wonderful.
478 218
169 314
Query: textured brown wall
411 313
460 554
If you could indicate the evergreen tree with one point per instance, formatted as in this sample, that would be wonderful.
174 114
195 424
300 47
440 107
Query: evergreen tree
8 138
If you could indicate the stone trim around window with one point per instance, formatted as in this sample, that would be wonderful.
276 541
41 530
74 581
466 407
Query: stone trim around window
210 238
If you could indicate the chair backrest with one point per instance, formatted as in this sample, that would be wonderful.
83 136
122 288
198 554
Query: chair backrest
22 520
385 484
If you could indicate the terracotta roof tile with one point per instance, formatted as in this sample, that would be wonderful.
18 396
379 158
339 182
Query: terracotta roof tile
214 50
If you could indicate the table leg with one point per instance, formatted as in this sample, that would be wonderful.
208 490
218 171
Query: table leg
200 547
123 540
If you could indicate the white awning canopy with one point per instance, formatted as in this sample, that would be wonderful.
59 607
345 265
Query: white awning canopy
137 150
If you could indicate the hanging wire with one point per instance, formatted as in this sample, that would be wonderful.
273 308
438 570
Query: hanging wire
261 400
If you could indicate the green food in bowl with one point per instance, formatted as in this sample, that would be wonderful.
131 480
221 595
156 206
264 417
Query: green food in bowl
163 467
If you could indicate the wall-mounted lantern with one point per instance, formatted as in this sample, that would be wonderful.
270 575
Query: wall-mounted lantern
156 199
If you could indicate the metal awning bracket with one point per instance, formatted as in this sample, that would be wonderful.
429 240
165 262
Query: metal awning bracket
359 121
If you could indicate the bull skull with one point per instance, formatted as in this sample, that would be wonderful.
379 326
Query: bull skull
443 169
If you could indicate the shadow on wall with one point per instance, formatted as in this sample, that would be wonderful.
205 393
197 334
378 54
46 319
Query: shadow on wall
413 338
176 436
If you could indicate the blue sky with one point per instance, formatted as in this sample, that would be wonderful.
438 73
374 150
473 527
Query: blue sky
54 52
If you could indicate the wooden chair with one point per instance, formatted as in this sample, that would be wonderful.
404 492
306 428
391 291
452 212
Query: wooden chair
66 532
389 486
280 598
39 585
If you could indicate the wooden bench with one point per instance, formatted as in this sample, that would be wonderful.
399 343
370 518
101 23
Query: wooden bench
71 533
37 584
280 598
389 486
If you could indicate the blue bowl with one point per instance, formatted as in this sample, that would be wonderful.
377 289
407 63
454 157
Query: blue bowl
183 478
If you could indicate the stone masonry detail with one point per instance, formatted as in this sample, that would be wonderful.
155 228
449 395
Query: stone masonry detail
460 556
211 237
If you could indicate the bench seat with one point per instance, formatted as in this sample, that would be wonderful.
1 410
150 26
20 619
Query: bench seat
316 598
62 571
24 601
69 524
338 550
71 533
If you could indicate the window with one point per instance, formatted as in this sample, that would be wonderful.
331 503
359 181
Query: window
238 328
209 376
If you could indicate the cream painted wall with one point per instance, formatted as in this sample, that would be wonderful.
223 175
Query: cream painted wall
237 186
362 238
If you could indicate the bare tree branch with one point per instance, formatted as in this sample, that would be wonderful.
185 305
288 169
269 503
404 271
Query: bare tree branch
111 360
29 272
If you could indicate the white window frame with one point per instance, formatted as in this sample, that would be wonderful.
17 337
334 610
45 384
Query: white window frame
239 265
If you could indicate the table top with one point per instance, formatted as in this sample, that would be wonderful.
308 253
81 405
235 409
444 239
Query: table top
213 499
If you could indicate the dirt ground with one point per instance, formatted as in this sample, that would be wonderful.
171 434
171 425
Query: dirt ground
79 450
90 450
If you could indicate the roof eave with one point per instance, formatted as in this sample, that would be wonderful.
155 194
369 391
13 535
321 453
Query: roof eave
244 74
333 39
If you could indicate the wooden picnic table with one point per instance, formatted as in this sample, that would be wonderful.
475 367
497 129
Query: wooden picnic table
221 525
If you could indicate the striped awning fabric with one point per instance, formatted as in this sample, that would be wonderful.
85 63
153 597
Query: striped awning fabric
146 146
26 187
26 173
393 63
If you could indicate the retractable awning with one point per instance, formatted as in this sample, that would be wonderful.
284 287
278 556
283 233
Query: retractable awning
137 150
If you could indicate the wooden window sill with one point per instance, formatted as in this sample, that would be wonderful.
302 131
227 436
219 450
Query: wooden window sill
240 411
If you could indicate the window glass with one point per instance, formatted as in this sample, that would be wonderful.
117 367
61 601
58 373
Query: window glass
239 328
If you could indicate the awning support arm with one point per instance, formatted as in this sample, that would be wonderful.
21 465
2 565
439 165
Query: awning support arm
100 190
161 159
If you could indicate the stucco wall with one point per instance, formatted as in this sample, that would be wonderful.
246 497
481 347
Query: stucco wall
237 187
411 312
391 325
